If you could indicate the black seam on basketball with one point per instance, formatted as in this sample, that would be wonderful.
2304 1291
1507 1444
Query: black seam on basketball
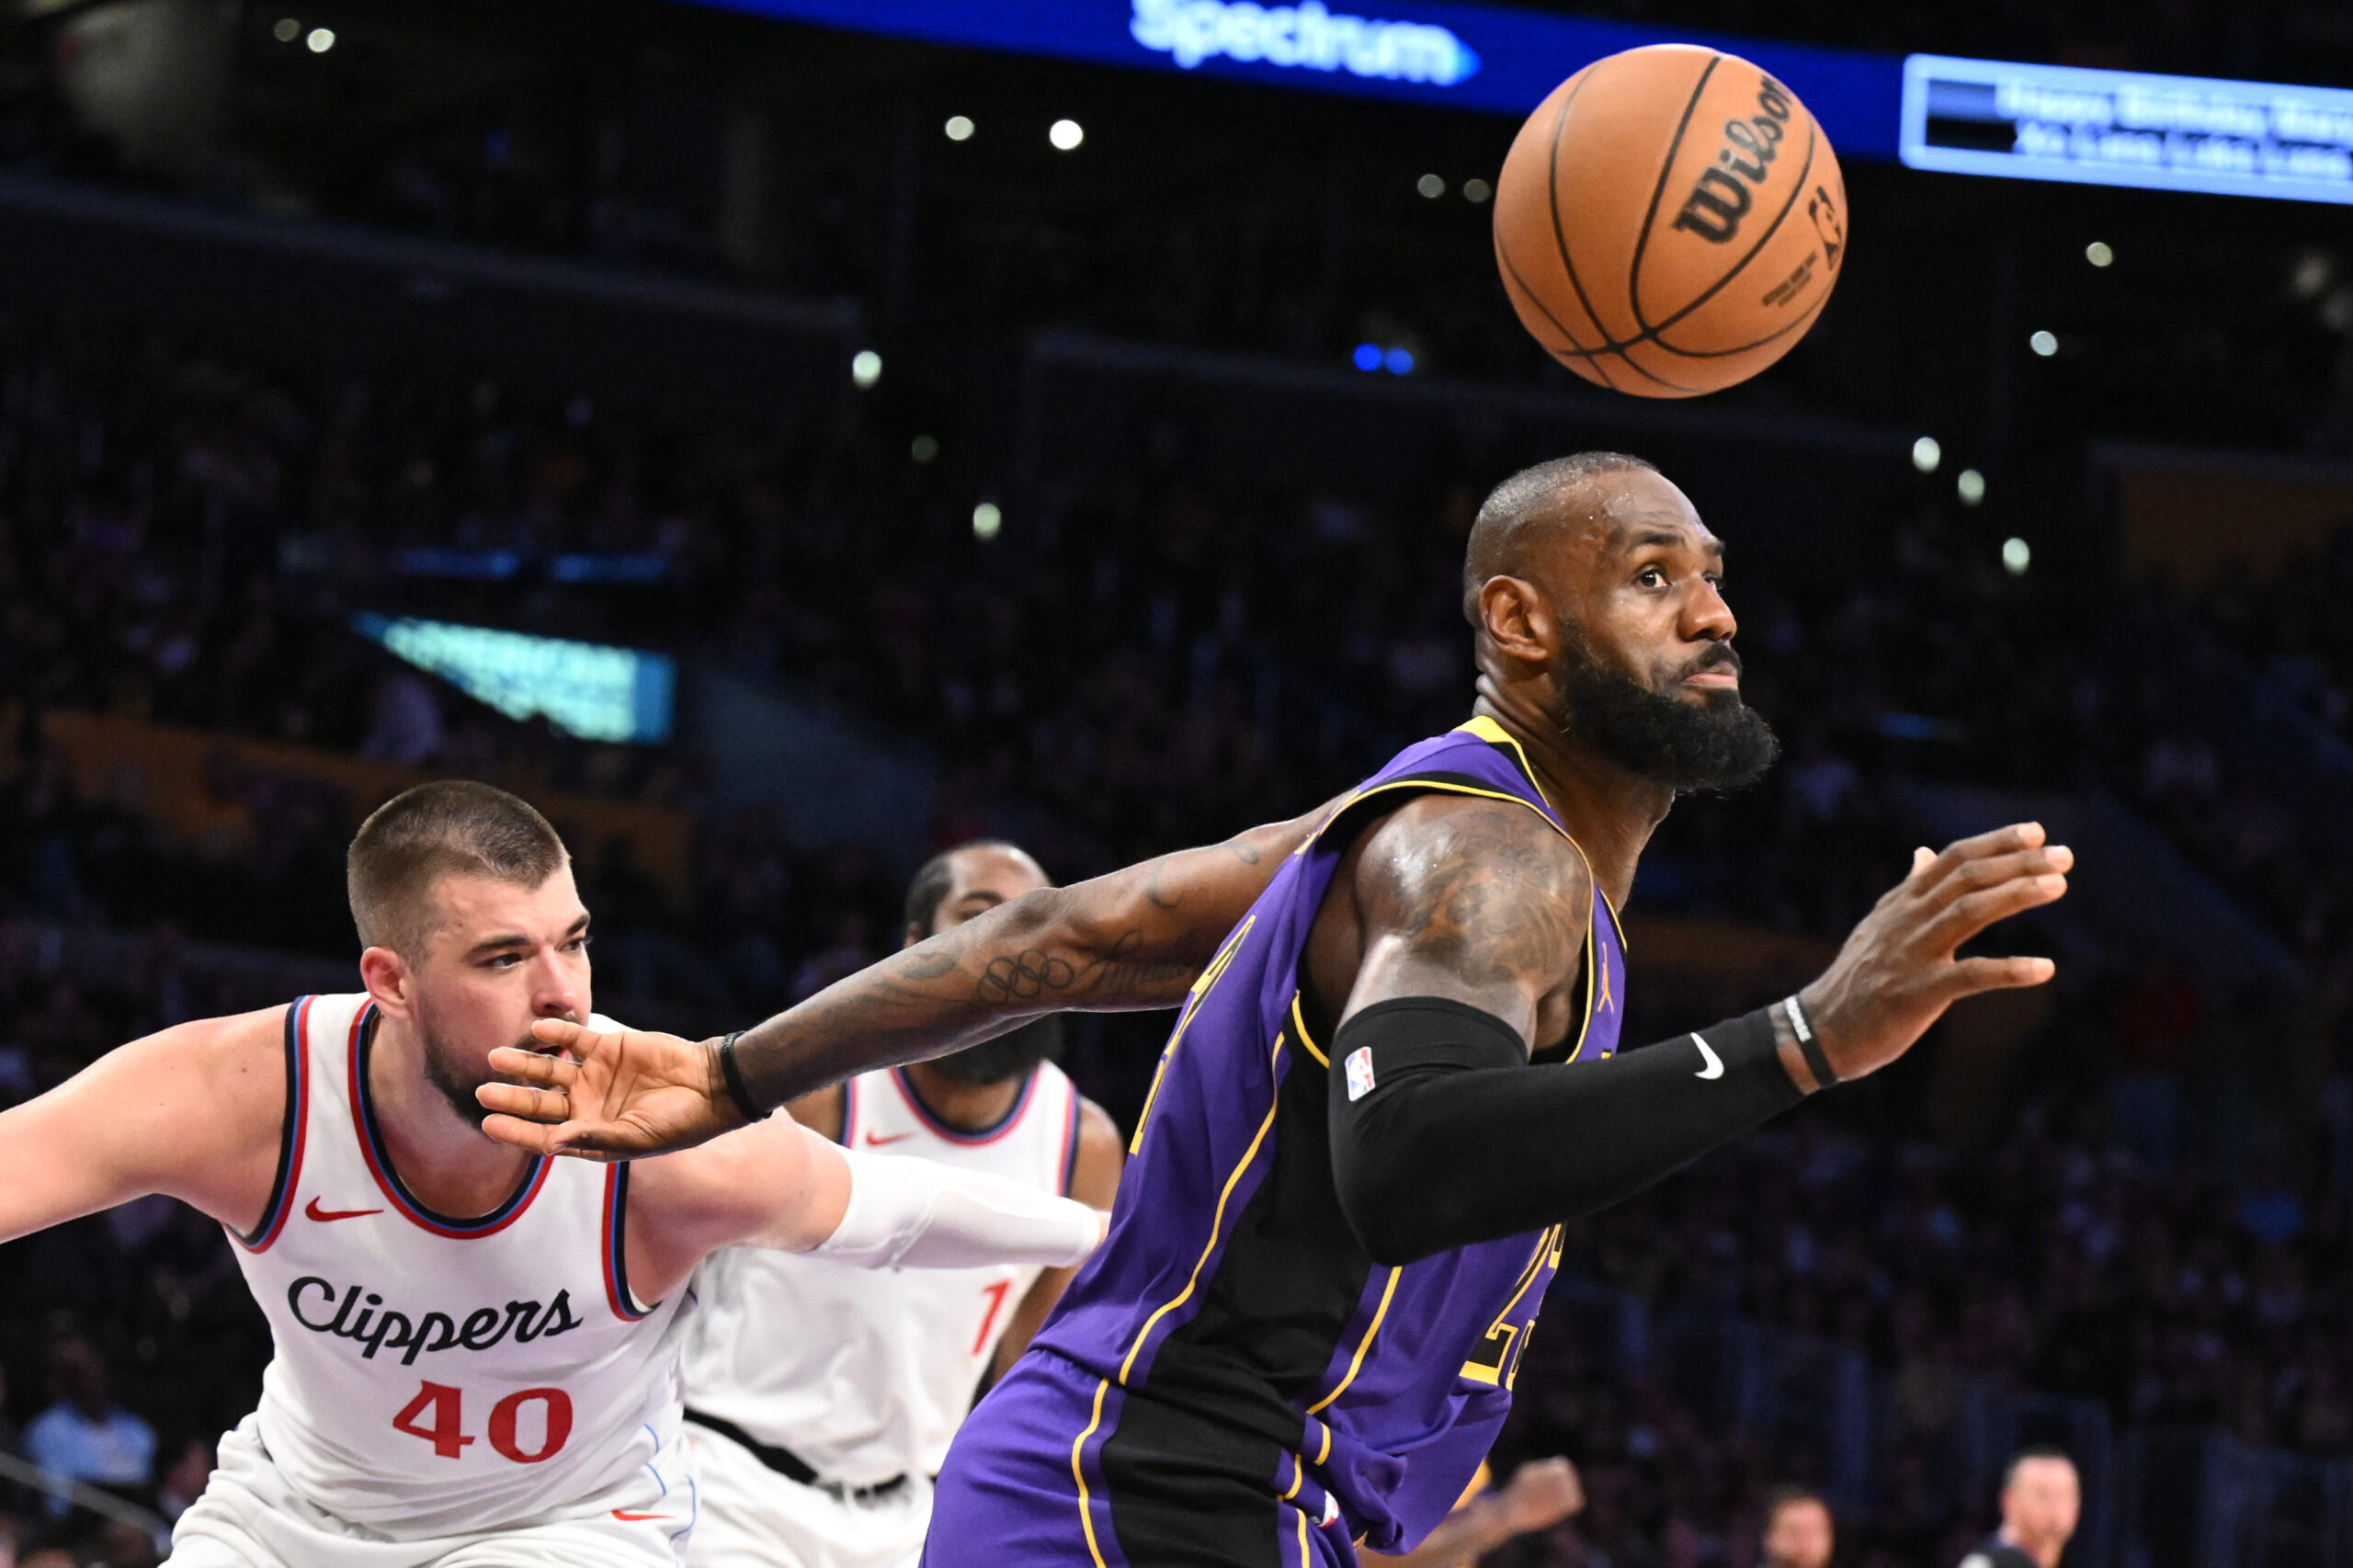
1814 135
1552 197
1512 276
1650 375
1798 325
1665 167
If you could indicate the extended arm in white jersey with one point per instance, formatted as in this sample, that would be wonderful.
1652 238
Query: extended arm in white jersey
776 1184
194 1111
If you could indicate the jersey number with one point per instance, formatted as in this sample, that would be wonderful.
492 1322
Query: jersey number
446 1408
1495 1360
997 1294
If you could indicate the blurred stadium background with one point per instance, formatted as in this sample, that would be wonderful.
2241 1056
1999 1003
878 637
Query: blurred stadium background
780 448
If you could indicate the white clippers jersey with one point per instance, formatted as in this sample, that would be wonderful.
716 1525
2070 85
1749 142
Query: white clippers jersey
434 1376
867 1373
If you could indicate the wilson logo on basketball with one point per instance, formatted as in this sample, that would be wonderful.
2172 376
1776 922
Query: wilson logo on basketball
1719 197
357 1317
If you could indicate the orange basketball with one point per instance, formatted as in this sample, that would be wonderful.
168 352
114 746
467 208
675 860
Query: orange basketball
1670 220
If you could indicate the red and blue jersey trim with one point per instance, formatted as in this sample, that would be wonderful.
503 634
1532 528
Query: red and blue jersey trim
380 1163
291 1135
1006 1123
1069 1161
617 1294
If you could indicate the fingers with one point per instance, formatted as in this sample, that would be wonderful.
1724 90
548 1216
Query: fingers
1968 915
1973 976
531 1135
566 1035
1984 845
1922 859
543 1106
556 1072
1958 880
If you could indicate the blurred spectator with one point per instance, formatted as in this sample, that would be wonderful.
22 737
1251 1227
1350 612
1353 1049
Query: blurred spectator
1798 1529
85 1436
2041 1501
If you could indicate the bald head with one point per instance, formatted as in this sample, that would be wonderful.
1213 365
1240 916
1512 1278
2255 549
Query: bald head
1530 506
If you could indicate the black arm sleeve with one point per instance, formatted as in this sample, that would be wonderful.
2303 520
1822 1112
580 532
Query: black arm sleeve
1444 1134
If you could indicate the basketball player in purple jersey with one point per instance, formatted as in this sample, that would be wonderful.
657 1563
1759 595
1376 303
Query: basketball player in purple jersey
1395 1079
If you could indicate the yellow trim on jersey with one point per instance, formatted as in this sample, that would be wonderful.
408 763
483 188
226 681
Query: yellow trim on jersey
1298 1476
1078 1473
1302 1533
1324 1452
1299 1027
1217 1221
1357 1365
1218 965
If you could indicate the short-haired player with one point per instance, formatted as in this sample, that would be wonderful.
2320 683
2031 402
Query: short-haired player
820 1400
476 1351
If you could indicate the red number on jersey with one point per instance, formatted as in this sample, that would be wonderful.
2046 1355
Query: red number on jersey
559 1426
995 1293
446 1404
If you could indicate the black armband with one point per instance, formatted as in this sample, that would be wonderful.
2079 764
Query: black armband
1444 1134
732 1071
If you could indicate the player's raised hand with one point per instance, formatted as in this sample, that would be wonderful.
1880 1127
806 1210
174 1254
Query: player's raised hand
1897 972
1541 1493
617 1096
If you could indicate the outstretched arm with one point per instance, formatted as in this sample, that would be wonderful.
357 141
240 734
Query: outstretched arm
1132 940
193 1112
1442 1135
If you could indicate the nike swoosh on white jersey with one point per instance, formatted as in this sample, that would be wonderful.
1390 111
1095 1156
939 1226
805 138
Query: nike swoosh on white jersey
1715 1064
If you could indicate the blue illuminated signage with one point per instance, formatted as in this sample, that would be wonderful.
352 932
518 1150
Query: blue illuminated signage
1489 57
2062 122
1301 38
594 690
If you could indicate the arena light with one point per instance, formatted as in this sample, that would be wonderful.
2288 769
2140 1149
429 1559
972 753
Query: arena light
2016 556
287 31
1970 485
960 128
924 448
1927 454
1399 361
1067 134
1475 190
2098 254
1431 187
321 40
865 366
2045 343
986 521
2126 128
1367 356
594 690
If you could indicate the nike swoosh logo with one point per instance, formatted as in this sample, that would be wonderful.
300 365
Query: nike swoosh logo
315 1212
1715 1064
874 1143
629 1518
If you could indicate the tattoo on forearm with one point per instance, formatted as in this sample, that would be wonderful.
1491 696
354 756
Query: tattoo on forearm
1023 976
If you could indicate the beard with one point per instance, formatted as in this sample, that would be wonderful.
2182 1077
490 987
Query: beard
1720 744
1009 1055
455 1079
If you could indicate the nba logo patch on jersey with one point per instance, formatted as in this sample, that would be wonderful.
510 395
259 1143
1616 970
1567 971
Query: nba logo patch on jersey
1359 1066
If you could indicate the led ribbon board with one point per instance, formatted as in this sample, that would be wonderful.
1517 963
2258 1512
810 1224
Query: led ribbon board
2061 123
594 690
1446 52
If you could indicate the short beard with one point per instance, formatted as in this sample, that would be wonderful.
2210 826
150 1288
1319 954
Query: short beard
1010 1055
441 1072
1722 743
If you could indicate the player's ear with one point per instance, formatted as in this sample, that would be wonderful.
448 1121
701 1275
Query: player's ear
385 975
1515 619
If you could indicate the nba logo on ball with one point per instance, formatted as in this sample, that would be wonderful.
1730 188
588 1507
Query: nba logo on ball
1359 1066
1670 222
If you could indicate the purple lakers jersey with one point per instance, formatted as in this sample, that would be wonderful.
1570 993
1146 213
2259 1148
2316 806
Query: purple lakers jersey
1238 1359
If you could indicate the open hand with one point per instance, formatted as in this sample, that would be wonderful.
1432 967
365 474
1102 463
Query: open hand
1541 1493
1897 973
617 1095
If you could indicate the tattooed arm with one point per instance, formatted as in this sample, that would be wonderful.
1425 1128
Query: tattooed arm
1132 940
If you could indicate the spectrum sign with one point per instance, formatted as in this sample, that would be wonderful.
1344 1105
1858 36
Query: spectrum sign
1303 38
594 690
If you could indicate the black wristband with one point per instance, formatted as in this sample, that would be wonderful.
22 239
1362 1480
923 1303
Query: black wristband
1816 1061
737 1090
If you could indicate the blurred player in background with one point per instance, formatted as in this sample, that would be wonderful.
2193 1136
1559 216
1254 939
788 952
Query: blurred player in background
476 1352
821 1399
1539 1495
1798 1529
2043 1499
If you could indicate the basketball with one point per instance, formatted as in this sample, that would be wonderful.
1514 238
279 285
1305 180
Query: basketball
1670 222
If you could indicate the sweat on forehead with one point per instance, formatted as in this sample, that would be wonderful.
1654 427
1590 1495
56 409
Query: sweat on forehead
1525 507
